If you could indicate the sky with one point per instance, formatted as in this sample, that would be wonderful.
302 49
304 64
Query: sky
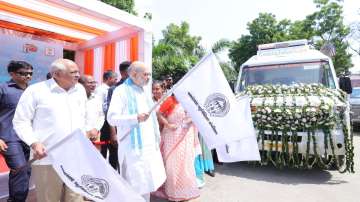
215 19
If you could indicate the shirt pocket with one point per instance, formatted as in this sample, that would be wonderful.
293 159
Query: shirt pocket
45 109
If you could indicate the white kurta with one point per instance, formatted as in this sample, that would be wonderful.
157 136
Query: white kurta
102 92
145 170
95 116
46 113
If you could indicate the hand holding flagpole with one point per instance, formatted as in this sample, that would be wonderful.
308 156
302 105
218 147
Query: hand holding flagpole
177 84
60 142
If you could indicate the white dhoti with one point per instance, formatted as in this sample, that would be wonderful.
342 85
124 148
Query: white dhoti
144 172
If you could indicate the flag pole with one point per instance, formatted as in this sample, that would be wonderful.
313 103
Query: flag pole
171 91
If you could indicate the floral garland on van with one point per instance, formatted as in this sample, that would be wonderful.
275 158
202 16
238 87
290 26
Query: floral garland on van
306 108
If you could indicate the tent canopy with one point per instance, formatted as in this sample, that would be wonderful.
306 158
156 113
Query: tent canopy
87 23
102 36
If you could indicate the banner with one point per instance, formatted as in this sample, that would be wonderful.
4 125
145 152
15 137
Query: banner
247 148
82 168
207 97
40 52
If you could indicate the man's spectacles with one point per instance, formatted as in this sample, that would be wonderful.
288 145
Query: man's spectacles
24 73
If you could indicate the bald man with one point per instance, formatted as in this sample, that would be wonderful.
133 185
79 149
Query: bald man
137 132
50 110
94 113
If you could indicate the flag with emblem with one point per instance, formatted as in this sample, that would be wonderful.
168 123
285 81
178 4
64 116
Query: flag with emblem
82 168
207 97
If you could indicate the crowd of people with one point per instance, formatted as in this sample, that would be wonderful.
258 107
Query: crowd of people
157 152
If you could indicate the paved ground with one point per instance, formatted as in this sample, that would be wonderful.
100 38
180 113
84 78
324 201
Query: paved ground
240 182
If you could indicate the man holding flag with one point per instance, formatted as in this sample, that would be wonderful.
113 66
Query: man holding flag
48 111
138 133
51 119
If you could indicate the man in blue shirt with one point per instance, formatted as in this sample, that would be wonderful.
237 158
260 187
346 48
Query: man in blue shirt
15 152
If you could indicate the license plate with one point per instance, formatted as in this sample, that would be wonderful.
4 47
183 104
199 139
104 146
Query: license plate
267 146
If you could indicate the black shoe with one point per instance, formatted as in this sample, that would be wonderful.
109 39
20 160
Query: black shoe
211 173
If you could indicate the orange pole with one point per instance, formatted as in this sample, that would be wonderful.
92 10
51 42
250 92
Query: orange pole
109 57
134 48
89 62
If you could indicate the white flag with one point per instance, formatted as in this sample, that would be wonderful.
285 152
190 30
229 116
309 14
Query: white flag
82 168
207 97
247 148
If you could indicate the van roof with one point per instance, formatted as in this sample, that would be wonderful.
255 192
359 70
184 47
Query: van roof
309 55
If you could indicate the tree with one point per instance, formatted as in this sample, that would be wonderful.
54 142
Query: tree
226 67
354 36
220 45
176 52
328 27
322 27
264 29
126 5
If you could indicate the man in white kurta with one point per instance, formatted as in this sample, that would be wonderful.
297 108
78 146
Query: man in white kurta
95 116
47 112
139 152
109 79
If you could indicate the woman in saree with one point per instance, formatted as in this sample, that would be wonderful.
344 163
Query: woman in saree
179 147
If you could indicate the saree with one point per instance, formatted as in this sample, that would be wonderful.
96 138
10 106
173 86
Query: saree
203 163
178 148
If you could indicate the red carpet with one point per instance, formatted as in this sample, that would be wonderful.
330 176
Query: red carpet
3 166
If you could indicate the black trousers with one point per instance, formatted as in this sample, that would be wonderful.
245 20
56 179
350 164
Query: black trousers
17 155
113 150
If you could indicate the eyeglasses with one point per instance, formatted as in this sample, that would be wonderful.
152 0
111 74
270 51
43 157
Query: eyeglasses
24 73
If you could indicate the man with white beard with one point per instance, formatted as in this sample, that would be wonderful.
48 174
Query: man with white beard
137 131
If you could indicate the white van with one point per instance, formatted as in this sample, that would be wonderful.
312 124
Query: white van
300 114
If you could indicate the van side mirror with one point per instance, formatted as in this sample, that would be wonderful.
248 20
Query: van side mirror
345 84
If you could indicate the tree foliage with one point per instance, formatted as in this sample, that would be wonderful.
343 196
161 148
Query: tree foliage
126 5
328 25
220 45
176 52
323 26
226 67
354 36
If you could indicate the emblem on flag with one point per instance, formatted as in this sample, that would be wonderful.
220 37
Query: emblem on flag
217 105
97 187
220 118
89 174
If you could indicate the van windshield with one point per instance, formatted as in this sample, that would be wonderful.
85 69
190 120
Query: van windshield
288 74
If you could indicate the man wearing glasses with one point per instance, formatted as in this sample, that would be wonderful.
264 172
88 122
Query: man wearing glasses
168 82
15 151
